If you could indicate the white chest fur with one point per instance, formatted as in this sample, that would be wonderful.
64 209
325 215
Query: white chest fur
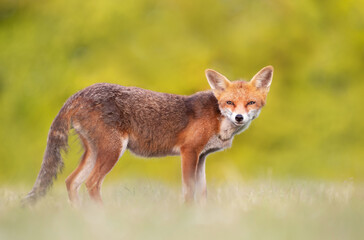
215 143
225 137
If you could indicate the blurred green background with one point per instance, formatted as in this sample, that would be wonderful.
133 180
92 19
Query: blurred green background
313 123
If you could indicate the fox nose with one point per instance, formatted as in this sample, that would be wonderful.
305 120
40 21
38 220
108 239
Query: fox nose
239 118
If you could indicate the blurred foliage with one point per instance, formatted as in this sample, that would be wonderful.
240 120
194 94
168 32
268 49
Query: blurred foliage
312 126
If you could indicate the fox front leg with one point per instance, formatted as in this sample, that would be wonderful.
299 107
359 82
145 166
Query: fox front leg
189 165
201 189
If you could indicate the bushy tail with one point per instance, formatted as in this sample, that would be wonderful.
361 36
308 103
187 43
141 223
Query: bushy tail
52 161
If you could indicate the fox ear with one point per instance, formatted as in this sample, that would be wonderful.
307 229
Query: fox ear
217 81
263 78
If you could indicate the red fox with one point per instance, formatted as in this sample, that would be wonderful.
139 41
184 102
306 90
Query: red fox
110 118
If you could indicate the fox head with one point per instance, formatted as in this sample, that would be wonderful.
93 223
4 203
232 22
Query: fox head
241 101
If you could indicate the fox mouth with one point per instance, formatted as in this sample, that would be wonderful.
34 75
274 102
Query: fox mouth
238 123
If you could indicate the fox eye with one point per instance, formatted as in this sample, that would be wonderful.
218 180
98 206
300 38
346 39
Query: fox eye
251 103
230 102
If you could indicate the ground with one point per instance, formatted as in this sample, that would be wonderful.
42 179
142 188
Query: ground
144 209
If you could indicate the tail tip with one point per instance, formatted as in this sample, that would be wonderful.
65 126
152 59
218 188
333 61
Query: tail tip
29 200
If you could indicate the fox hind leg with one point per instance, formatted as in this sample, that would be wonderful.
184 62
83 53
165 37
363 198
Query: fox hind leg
80 174
109 151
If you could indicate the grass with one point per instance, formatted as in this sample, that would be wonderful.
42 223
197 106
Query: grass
153 210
